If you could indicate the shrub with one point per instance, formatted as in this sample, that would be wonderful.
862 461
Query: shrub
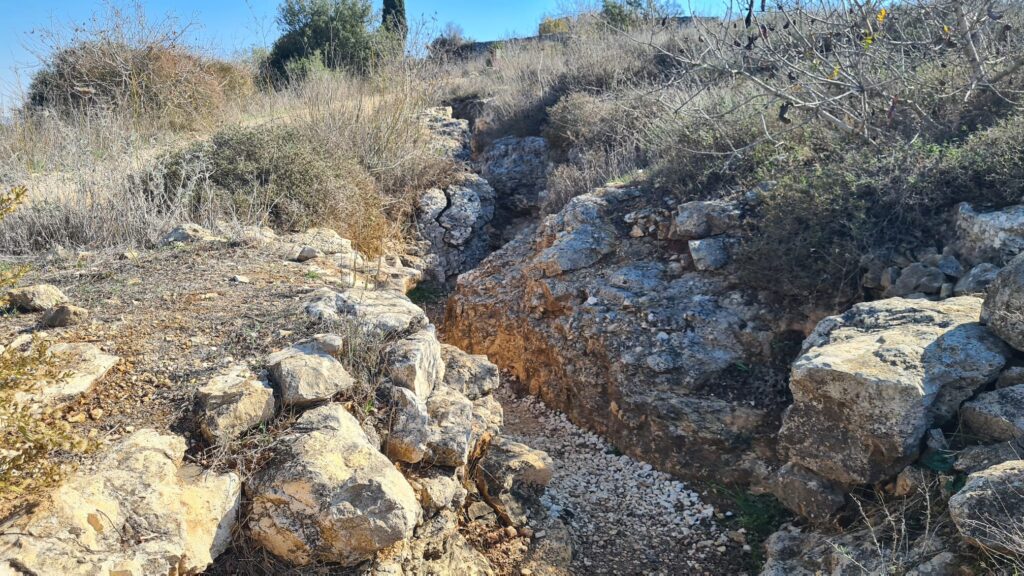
337 33
124 64
278 174
550 25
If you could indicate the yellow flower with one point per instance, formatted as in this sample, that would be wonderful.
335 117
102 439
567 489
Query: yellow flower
882 14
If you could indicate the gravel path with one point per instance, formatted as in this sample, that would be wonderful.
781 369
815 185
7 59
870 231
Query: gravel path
624 516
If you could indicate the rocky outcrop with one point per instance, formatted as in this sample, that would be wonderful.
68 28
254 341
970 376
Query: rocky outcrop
415 362
619 331
80 365
872 381
375 312
330 495
139 512
471 374
306 374
986 510
517 169
454 225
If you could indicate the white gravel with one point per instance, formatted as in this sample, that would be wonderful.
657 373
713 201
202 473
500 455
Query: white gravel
624 516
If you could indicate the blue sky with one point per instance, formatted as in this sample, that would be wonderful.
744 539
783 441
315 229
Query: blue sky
231 26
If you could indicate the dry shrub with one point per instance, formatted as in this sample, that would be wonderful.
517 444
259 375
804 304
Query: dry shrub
123 63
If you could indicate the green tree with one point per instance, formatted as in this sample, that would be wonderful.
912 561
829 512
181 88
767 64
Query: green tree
332 33
394 20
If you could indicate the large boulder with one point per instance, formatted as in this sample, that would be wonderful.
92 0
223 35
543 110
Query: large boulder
329 495
378 313
410 427
990 236
139 512
989 509
306 374
977 280
1004 304
451 418
517 169
454 222
233 402
871 382
700 219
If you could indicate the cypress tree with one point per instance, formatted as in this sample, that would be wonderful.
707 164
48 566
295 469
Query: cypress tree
394 18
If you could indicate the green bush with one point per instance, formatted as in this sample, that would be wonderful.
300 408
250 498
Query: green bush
337 33
279 175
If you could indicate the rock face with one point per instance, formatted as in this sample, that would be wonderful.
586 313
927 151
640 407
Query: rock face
330 495
36 298
990 236
987 509
410 427
1004 304
141 512
996 416
517 169
620 332
233 402
453 223
305 374
872 381
451 437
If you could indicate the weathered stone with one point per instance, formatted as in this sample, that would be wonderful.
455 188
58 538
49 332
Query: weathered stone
139 512
696 220
390 273
451 417
517 169
918 277
232 403
410 427
189 234
1004 304
330 343
377 312
976 458
870 382
36 298
330 496
977 281
81 365
996 416
710 253
453 222
306 253
949 265
509 466
988 509
438 491
415 362
305 374
488 417
324 241
580 237
437 548
806 493
473 375
990 236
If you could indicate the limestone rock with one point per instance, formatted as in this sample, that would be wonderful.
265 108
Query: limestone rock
806 493
437 548
233 402
36 298
453 222
509 465
977 281
439 490
580 237
65 315
1004 304
976 458
918 278
988 509
410 427
323 240
870 383
990 236
305 254
451 417
517 169
82 366
189 234
140 512
710 253
472 374
329 495
701 219
415 362
305 374
379 312
996 416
